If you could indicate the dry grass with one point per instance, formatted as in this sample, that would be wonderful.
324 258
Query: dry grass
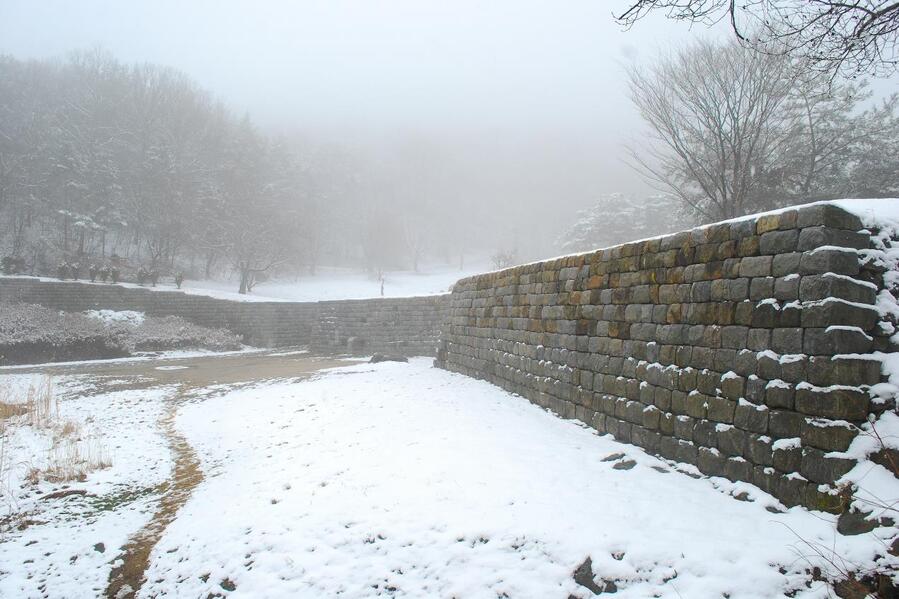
72 455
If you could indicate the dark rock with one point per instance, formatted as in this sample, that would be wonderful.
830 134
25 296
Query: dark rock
852 522
584 576
624 465
388 358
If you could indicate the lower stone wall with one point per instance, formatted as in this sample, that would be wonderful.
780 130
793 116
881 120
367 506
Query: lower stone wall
409 326
743 348
402 325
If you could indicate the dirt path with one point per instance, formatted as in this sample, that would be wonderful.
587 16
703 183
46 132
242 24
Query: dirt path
191 375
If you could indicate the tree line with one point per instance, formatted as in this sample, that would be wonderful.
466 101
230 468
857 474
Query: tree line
104 162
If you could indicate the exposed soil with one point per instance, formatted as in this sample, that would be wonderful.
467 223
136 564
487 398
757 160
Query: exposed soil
191 375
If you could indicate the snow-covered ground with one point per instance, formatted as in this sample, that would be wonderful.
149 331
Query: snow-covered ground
341 283
392 480
328 284
63 545
404 480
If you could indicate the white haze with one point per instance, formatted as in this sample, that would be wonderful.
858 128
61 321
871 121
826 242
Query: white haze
520 104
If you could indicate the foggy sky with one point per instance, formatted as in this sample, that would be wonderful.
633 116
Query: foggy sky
527 98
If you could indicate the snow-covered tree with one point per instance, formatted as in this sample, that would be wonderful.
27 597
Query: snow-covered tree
617 218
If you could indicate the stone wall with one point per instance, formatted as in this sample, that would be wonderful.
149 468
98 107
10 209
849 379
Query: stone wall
403 325
723 347
409 326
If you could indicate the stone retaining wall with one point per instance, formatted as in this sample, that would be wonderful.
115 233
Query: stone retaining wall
719 347
404 325
409 326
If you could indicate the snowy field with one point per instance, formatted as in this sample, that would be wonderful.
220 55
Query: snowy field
341 283
328 284
396 480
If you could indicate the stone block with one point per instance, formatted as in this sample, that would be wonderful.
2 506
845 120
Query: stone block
785 264
687 452
761 288
828 436
815 237
778 242
705 434
759 450
825 371
721 409
749 417
710 461
734 337
756 266
683 427
819 287
787 340
787 458
833 402
786 289
836 340
785 425
732 441
779 395
758 339
839 261
738 469
827 215
820 469
732 386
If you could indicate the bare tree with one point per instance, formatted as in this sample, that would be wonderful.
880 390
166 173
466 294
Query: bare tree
715 115
852 37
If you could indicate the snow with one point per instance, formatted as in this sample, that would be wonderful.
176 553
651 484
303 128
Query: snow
121 316
328 284
68 549
403 480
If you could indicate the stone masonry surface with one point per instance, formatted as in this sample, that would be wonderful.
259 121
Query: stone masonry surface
402 325
733 347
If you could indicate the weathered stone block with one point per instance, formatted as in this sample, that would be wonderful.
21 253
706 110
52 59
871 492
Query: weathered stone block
828 436
815 237
833 402
820 469
704 434
779 394
761 288
687 452
732 385
836 340
787 340
683 427
779 242
734 337
737 469
785 264
732 441
844 262
785 425
819 287
787 458
710 461
759 450
751 418
827 215
825 371
786 289
721 409
756 266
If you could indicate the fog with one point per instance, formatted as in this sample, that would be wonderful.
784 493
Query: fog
523 102
516 110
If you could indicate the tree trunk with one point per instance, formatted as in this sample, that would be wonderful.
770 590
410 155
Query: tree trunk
244 279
